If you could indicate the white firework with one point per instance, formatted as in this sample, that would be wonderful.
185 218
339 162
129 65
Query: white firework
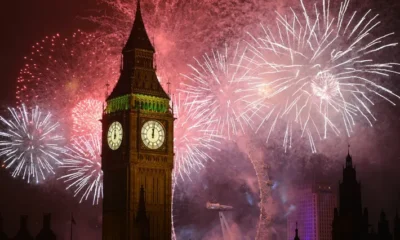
193 138
218 87
321 71
82 163
30 143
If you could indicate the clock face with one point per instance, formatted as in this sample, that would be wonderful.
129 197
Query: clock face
153 134
114 135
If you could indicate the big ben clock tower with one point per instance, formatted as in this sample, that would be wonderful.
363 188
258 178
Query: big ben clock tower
137 147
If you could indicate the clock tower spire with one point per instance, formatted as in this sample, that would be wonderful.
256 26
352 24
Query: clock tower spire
138 72
137 147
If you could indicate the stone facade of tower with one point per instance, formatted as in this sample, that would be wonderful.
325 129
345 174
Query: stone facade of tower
314 211
137 147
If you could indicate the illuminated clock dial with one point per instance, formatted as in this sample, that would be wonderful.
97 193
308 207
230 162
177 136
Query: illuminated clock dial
114 135
153 134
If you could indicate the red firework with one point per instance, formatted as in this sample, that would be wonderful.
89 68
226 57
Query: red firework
59 71
86 117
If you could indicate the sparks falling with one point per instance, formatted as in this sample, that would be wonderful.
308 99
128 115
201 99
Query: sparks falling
181 28
321 71
31 144
86 116
193 138
218 89
61 71
82 163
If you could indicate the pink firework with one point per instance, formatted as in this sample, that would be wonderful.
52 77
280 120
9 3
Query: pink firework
59 71
321 70
82 165
86 116
181 29
219 88
193 138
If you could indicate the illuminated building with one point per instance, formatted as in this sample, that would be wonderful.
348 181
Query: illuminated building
314 212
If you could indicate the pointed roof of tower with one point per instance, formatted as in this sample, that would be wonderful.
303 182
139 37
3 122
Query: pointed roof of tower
138 37
23 233
138 74
349 160
46 233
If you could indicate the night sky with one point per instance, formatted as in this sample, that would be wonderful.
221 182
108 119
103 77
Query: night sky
23 23
376 151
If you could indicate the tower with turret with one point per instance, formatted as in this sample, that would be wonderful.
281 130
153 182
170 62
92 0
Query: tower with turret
137 147
350 222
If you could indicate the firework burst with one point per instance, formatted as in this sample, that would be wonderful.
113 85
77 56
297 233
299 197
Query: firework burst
176 26
193 137
321 71
59 71
218 88
30 144
86 116
82 162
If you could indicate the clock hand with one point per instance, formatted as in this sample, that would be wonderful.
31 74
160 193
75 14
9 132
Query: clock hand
152 134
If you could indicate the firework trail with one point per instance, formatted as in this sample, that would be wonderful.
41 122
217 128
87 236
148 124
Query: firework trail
86 116
30 144
59 71
176 26
321 71
82 162
193 137
218 87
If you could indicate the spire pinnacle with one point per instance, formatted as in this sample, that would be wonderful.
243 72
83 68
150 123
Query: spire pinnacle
348 149
138 38
138 74
297 234
349 160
